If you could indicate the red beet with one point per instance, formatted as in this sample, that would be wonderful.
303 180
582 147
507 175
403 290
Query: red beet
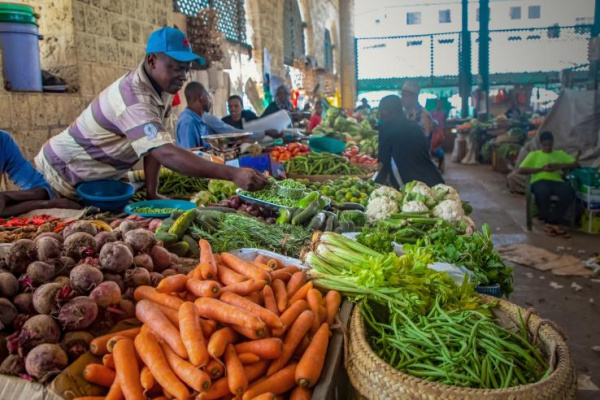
20 255
141 240
106 294
46 361
45 297
24 303
104 237
115 257
37 330
40 272
79 245
136 277
8 313
9 285
78 313
76 343
47 248
161 258
85 277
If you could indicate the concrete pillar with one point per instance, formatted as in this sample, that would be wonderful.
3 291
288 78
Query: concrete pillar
347 53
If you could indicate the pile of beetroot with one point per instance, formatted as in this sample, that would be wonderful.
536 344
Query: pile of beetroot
60 290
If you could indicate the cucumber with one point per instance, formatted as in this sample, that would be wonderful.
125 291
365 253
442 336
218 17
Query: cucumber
310 211
183 223
166 237
180 248
194 251
166 225
317 223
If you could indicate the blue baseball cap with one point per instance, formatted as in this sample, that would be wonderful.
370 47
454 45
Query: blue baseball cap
174 43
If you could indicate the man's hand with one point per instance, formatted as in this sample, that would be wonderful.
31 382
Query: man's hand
249 179
551 167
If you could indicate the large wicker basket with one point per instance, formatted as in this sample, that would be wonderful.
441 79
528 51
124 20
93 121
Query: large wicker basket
373 378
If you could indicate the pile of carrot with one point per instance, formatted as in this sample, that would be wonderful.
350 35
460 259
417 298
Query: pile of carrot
229 329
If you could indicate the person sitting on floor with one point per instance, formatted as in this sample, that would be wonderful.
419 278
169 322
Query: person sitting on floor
35 192
545 167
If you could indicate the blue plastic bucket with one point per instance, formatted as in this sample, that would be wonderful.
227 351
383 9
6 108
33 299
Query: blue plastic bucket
19 41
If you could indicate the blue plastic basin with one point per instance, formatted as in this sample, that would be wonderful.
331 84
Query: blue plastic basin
106 194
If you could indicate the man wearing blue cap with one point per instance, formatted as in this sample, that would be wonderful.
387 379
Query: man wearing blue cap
126 122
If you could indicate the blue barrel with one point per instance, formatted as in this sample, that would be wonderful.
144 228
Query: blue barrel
19 41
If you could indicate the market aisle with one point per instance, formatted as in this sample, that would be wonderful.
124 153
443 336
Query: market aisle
575 305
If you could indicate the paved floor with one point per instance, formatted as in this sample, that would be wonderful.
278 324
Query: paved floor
576 312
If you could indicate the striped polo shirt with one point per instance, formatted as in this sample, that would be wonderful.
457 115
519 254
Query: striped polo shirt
119 127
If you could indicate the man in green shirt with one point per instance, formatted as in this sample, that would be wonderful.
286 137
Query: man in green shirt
545 167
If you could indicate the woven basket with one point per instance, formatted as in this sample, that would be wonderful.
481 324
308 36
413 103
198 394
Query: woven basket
373 378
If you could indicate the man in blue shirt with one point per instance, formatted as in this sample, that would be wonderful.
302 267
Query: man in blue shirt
35 192
195 122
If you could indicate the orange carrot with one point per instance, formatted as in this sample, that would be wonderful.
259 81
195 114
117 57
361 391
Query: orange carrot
153 356
262 266
261 258
98 345
244 288
172 315
89 398
218 258
207 261
293 338
269 298
271 319
228 314
274 264
300 393
99 374
214 369
296 282
236 378
265 396
285 274
219 340
193 377
146 378
314 298
304 343
256 297
267 349
115 392
203 288
322 313
208 327
160 325
110 345
149 293
249 333
290 315
280 294
196 273
278 383
333 299
248 358
311 364
245 268
189 296
228 276
301 293
220 387
108 361
128 370
173 283
191 335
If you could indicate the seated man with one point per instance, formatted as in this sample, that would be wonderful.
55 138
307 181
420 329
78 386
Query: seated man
546 167
237 115
402 142
35 193
281 102
196 122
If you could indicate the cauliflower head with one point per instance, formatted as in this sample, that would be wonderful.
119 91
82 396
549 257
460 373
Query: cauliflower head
414 206
417 187
449 210
381 208
445 192
386 191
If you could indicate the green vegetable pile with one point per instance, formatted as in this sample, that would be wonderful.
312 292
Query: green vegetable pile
346 188
322 164
154 210
337 125
175 185
217 190
270 196
475 252
420 322
232 231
